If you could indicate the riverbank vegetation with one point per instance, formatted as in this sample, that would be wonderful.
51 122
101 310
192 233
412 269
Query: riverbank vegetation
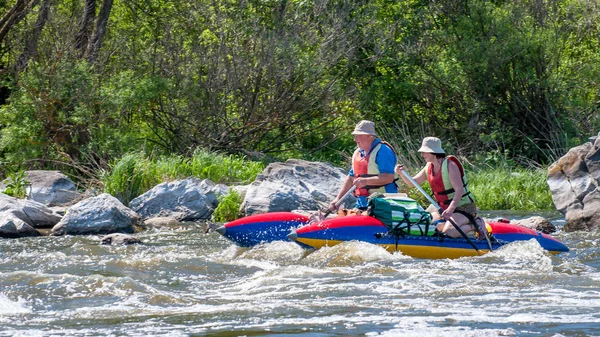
495 188
136 173
90 87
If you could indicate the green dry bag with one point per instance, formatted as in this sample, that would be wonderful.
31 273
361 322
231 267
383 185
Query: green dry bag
401 215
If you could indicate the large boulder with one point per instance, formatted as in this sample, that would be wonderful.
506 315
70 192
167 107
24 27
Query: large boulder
103 214
294 185
49 187
574 181
190 199
31 212
12 226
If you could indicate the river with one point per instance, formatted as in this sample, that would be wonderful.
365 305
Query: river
184 282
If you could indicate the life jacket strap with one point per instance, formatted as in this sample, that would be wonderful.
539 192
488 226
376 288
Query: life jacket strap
468 194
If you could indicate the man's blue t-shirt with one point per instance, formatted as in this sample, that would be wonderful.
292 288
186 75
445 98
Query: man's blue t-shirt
386 161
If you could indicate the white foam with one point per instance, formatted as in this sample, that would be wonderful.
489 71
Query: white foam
351 253
9 307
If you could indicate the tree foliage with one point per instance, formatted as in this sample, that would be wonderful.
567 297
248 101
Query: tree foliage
84 82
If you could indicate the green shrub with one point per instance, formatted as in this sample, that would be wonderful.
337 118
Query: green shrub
228 209
16 185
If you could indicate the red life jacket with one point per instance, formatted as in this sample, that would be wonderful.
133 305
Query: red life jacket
367 167
442 188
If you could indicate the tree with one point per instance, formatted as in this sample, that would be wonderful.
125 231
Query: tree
32 43
95 42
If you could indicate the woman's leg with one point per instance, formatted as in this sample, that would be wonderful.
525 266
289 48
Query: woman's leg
460 220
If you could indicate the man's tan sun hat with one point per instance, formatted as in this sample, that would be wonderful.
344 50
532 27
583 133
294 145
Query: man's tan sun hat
365 128
432 145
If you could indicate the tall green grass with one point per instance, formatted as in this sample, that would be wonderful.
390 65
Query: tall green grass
494 188
497 181
502 189
135 173
510 189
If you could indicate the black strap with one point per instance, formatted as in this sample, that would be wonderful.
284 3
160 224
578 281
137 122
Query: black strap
468 216
371 187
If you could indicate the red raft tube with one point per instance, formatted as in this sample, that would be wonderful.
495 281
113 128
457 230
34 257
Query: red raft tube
422 245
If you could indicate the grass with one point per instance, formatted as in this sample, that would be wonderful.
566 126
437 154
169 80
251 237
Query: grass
511 189
135 173
494 188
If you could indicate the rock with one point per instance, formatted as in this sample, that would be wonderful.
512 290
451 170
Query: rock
537 223
103 214
8 225
116 239
50 187
574 181
584 216
26 231
12 226
162 222
31 212
295 184
190 199
240 189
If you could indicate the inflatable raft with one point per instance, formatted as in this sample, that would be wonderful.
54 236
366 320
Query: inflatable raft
371 230
268 227
256 229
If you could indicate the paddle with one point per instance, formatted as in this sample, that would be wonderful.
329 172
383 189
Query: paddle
435 204
339 202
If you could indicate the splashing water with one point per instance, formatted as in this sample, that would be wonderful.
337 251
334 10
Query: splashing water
184 282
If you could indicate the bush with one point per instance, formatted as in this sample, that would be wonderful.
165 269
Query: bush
229 206
16 185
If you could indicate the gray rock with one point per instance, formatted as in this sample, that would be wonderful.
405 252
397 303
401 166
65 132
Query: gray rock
25 230
103 214
8 225
31 212
51 187
537 223
592 160
162 222
574 183
295 184
116 239
11 225
585 217
184 200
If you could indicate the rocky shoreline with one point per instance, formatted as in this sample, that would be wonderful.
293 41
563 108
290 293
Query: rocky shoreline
53 205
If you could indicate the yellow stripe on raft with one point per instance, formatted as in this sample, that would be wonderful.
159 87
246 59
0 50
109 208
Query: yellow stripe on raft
420 252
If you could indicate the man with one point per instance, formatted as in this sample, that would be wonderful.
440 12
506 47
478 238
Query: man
372 167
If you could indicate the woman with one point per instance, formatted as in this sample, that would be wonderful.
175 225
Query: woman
448 182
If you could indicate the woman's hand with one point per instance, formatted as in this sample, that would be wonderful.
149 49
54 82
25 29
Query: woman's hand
399 168
447 213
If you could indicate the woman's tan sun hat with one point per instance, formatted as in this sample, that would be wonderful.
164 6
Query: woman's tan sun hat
432 145
365 128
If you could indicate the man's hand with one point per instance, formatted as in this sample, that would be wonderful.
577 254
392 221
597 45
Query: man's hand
360 182
333 207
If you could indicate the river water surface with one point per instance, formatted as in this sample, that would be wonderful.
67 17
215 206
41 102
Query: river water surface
183 282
